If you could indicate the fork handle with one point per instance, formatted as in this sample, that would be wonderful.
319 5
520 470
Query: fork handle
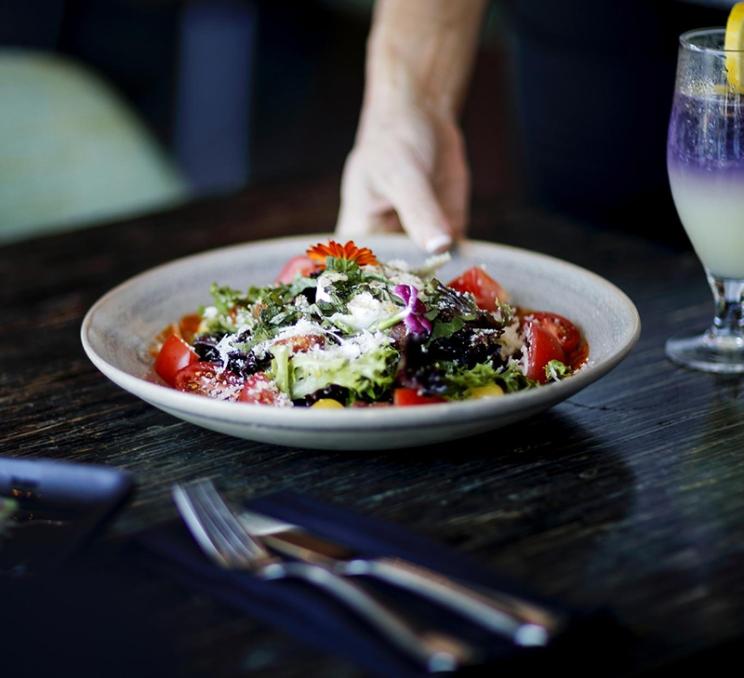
523 622
434 651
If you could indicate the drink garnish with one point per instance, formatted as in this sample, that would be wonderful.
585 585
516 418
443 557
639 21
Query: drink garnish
734 44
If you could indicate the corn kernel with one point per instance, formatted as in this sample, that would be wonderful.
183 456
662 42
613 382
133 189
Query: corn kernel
327 404
488 391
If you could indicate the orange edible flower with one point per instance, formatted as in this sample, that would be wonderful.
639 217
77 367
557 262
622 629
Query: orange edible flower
363 256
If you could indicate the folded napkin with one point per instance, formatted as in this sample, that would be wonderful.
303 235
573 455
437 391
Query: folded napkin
316 619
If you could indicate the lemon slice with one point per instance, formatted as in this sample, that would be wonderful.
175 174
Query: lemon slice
735 41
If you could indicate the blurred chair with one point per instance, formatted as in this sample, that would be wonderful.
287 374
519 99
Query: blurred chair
71 152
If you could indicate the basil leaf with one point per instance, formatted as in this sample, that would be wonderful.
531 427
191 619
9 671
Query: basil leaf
447 329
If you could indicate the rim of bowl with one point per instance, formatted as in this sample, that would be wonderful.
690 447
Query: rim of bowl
275 416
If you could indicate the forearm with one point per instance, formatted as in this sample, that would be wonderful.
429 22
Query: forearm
421 51
408 167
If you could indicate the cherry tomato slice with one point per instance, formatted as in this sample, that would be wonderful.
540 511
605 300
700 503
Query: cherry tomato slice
561 328
259 390
174 355
299 265
403 397
202 378
542 347
483 287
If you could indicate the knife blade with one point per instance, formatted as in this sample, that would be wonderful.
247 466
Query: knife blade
521 621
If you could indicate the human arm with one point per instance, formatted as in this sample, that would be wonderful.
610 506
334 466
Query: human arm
408 166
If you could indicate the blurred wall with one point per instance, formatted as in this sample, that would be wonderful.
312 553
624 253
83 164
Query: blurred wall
567 108
240 91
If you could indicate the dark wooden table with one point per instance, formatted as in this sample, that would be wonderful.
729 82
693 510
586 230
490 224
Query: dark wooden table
629 495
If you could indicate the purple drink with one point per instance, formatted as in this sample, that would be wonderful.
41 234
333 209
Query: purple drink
706 132
705 158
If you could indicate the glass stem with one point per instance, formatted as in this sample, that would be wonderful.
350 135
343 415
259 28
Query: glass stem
728 323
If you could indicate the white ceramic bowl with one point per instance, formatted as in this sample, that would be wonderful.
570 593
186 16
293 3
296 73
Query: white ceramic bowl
119 328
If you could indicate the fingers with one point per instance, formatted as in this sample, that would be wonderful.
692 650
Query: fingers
381 194
353 223
453 196
418 209
363 208
452 184
392 182
359 210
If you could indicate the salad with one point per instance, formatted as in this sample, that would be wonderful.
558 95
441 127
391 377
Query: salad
339 328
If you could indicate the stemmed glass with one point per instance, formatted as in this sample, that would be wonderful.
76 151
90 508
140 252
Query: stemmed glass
705 160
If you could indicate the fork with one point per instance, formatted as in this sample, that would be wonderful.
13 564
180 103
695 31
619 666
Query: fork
222 536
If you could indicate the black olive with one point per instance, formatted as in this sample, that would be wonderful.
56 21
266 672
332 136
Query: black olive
245 364
206 348
335 392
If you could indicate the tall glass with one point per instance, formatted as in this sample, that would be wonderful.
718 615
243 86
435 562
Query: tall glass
705 160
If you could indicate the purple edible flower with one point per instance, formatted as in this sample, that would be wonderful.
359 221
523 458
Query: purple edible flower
413 314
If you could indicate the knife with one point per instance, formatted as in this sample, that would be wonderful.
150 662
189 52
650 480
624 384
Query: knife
521 621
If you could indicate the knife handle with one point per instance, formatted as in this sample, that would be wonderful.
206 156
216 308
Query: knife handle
523 622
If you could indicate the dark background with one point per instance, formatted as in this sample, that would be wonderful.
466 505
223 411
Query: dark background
567 110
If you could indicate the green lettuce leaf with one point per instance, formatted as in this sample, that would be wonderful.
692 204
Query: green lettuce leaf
280 368
367 377
511 379
446 329
226 298
556 370
460 380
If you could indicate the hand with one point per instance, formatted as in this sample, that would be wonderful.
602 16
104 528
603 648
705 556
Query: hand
407 171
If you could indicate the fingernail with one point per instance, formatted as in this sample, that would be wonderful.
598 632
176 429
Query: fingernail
438 243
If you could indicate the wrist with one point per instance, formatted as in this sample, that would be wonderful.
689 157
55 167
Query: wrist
420 54
399 76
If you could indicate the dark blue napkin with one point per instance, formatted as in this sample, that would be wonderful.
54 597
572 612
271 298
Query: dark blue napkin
316 619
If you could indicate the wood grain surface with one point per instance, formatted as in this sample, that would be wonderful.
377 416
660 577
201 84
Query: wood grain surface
630 495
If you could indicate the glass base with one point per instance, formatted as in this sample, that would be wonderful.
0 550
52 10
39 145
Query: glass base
708 352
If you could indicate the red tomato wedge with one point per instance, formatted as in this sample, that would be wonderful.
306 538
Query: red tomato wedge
202 378
483 287
259 390
299 265
403 397
561 328
174 355
542 347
